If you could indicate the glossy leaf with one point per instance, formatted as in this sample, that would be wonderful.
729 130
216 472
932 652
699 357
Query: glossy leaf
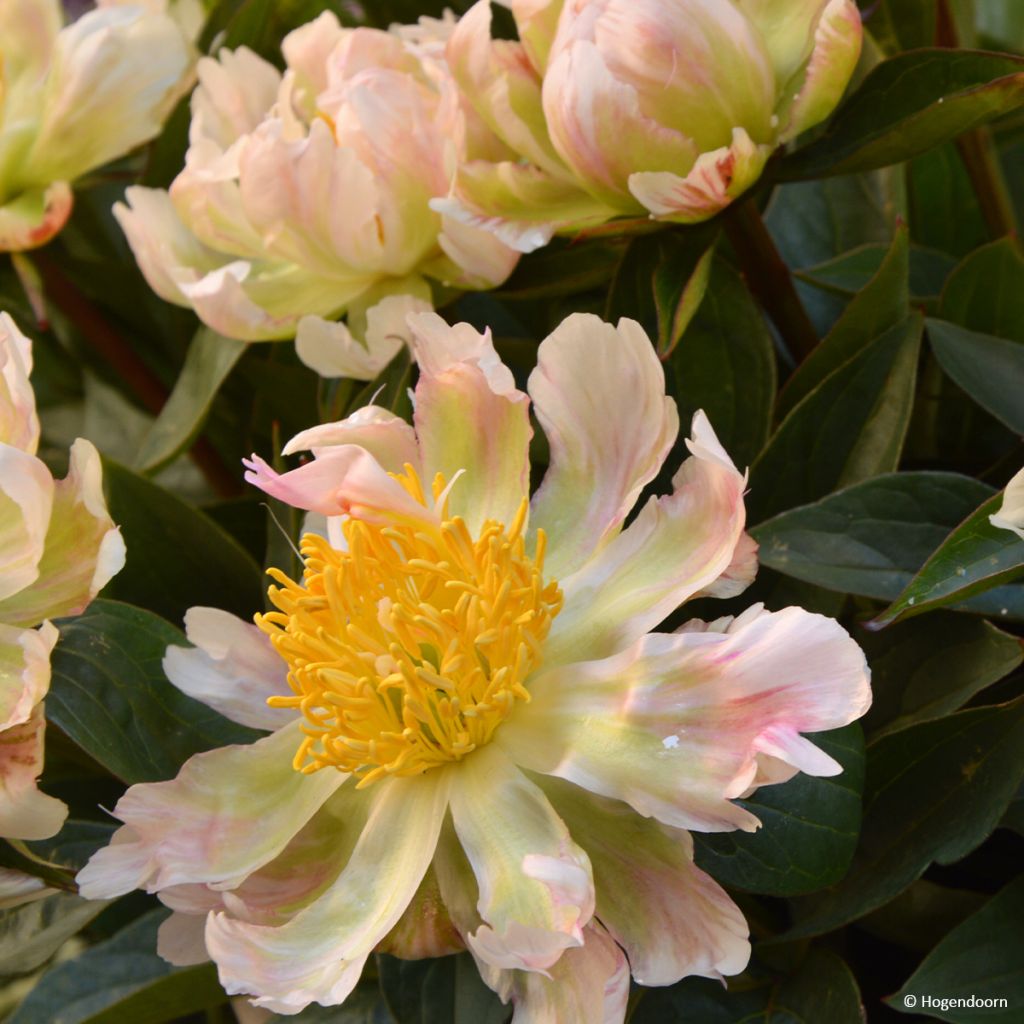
809 828
447 990
932 792
851 271
909 104
986 291
974 558
210 359
110 695
983 957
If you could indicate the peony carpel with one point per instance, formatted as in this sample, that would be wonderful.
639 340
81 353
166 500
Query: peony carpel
661 108
305 195
477 736
74 97
58 547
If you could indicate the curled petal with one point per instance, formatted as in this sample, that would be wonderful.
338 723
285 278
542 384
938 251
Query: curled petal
233 668
19 424
740 573
26 500
604 450
24 671
473 258
25 812
180 940
33 217
235 92
387 437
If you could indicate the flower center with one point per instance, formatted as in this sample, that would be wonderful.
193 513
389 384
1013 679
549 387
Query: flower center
406 651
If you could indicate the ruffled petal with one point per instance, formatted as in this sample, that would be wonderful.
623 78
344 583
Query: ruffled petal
711 184
228 812
674 726
672 919
83 549
233 668
26 500
677 546
470 417
473 258
318 955
25 812
535 888
235 92
24 671
1011 511
19 424
387 437
608 430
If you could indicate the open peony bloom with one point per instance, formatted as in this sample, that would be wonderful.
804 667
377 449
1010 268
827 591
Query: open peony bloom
306 195
75 97
667 108
58 547
1011 511
475 738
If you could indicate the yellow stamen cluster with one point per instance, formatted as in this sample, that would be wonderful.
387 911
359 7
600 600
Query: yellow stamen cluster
406 651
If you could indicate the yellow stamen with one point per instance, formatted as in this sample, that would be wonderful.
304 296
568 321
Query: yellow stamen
409 649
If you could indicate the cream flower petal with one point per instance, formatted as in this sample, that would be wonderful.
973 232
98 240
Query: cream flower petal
180 940
678 546
24 671
228 812
233 668
608 432
536 890
26 501
387 437
1011 511
25 812
672 919
470 416
318 955
19 424
674 725
589 983
83 549
235 92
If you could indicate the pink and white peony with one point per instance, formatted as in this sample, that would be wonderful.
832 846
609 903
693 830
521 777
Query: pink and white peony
664 108
306 195
58 547
74 97
476 736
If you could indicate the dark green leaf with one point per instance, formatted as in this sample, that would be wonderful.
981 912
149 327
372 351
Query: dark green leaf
565 268
121 980
725 365
110 695
32 933
986 292
989 369
849 428
983 957
974 558
926 668
809 828
932 792
907 105
848 273
210 359
177 556
447 990
944 210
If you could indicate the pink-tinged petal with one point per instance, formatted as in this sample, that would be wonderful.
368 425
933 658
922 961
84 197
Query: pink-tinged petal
608 430
712 183
1011 510
678 546
233 668
675 725
671 918
25 812
19 424
535 888
537 21
740 573
32 218
228 812
83 549
589 983
521 205
601 130
24 671
469 416
837 43
180 941
387 437
425 929
318 955
26 500
473 258
345 480
235 92
307 50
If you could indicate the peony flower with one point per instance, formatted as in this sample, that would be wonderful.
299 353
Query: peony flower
666 108
474 737
76 97
1011 510
58 548
305 195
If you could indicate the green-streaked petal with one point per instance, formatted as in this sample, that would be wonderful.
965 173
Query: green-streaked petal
25 812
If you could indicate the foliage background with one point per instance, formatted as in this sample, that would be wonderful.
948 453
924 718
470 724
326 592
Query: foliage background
870 451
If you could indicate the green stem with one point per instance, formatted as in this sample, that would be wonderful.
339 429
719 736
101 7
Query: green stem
768 277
